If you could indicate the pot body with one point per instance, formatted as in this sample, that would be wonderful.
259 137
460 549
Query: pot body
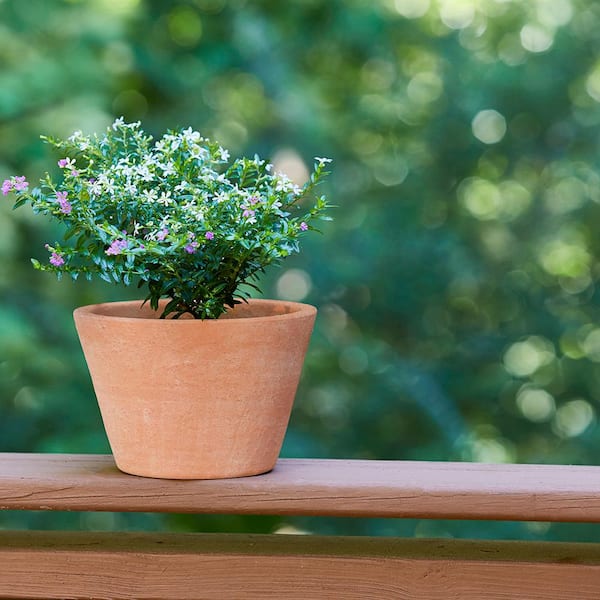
191 399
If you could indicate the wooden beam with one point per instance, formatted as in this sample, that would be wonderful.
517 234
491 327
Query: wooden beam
52 565
312 487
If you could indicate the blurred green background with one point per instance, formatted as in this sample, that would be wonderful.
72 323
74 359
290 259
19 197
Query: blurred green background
457 287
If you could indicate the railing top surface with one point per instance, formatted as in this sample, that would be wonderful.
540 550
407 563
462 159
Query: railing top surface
357 488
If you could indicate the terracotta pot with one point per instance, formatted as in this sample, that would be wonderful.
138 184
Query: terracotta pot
191 399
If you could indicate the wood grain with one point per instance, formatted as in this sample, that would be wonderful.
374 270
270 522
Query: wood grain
53 565
312 487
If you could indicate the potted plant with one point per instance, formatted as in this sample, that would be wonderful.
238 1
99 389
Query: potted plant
197 380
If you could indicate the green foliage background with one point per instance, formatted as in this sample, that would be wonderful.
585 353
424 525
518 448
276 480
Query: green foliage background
457 287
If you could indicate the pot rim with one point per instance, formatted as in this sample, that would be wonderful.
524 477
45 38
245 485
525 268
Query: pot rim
109 310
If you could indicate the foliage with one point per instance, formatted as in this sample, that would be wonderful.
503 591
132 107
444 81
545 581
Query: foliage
169 215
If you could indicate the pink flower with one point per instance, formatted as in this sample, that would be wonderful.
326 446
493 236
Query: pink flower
303 226
162 234
17 184
116 247
7 186
248 213
68 163
65 205
56 259
209 235
20 183
191 247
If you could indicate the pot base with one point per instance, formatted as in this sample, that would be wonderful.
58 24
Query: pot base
189 475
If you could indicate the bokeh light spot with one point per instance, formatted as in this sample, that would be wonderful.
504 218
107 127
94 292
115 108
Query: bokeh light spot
567 258
424 87
535 404
457 14
411 9
592 83
490 450
535 38
526 357
480 197
573 418
118 7
489 126
566 195
486 201
390 171
231 134
554 13
294 284
290 163
185 26
591 345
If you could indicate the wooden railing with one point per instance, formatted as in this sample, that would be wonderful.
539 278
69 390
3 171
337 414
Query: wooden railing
138 566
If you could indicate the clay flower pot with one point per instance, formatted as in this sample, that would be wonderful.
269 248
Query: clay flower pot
191 399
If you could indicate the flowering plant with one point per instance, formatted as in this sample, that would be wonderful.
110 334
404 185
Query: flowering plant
170 214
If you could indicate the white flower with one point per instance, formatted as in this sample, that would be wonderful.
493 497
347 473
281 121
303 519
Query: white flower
165 198
125 170
66 163
207 176
107 184
104 179
83 142
191 136
322 160
223 154
175 142
144 172
76 136
120 122
198 152
95 188
221 197
130 188
283 183
167 169
189 206
150 195
162 145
